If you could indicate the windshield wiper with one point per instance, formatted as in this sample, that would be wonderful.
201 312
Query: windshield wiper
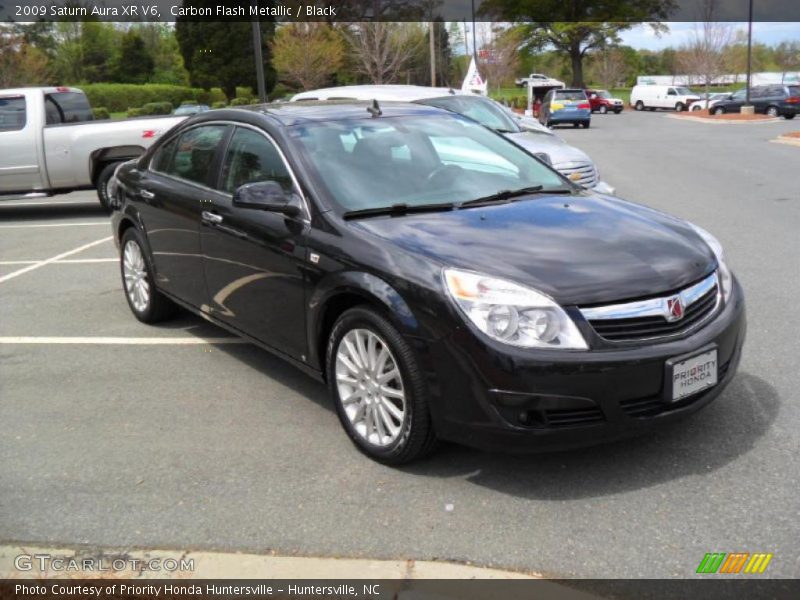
505 195
397 209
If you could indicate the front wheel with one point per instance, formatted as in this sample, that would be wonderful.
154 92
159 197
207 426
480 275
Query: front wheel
617 111
639 105
102 184
146 303
789 116
378 388
679 107
718 110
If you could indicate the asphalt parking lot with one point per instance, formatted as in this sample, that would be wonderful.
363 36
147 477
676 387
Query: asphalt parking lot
118 434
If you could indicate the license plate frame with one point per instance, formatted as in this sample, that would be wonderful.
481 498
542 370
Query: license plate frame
672 390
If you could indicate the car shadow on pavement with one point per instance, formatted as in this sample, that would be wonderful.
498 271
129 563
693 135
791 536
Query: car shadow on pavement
52 211
697 445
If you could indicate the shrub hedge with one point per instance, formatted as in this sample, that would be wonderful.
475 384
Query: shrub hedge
117 97
220 104
241 102
101 113
157 108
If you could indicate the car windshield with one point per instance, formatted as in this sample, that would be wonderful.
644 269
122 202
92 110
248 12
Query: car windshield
479 109
416 161
603 94
570 95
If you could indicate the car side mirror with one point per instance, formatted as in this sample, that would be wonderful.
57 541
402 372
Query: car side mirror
265 195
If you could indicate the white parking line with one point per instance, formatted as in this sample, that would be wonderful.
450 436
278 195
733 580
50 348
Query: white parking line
13 203
38 225
74 261
124 341
53 259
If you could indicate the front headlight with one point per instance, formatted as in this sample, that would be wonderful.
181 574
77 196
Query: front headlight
725 277
511 313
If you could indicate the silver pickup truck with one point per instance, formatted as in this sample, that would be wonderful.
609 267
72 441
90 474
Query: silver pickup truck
51 144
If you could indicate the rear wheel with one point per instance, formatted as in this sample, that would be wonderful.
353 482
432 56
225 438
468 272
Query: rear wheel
146 303
639 105
718 110
772 111
603 110
102 184
378 388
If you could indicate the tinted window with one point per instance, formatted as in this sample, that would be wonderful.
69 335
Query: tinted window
70 107
163 156
569 95
12 113
252 157
195 152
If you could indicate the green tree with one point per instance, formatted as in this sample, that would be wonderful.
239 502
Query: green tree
576 27
221 53
161 43
99 43
134 65
787 57
307 54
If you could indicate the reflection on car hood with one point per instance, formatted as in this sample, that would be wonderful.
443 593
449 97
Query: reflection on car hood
558 150
577 249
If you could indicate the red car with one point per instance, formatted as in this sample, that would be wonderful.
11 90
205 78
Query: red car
602 102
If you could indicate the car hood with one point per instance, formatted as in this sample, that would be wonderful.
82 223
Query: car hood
577 249
558 150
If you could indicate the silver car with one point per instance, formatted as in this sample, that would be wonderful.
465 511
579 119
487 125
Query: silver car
540 141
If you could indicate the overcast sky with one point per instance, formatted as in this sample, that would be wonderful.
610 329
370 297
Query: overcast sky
768 33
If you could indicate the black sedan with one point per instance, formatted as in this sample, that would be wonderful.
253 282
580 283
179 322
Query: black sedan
443 282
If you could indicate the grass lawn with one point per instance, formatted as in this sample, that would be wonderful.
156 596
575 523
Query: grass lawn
119 115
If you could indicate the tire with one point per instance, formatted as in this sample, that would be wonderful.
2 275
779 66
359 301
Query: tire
147 304
639 105
603 110
696 107
102 184
414 436
789 116
718 110
679 107
586 124
576 125
617 111
772 111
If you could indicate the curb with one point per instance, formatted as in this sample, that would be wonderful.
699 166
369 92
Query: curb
722 121
228 565
786 140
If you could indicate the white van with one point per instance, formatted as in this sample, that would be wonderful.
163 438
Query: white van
662 96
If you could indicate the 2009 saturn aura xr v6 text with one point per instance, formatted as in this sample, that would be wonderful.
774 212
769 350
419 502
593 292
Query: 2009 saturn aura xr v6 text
445 283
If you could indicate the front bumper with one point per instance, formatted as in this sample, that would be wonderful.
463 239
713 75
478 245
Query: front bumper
496 397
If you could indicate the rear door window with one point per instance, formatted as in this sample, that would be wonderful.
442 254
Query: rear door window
12 113
67 107
193 155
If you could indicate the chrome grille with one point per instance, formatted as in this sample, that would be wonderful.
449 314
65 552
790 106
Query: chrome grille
650 319
587 174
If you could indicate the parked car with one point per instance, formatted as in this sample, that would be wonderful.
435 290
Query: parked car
537 79
568 160
566 106
772 100
190 109
441 280
652 97
51 143
602 101
708 100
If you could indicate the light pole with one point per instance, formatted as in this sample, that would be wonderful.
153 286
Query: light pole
749 53
262 88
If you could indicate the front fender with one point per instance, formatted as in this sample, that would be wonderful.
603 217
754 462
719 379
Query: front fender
372 289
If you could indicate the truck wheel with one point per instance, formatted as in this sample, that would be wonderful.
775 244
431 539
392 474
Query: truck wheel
639 105
679 107
102 184
603 110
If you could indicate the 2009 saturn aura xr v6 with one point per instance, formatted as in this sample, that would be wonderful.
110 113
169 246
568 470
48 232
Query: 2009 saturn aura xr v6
445 283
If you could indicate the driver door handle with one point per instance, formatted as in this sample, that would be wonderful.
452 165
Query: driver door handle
210 217
146 195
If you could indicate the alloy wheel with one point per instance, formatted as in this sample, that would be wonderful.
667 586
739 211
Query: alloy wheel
370 387
772 111
134 270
